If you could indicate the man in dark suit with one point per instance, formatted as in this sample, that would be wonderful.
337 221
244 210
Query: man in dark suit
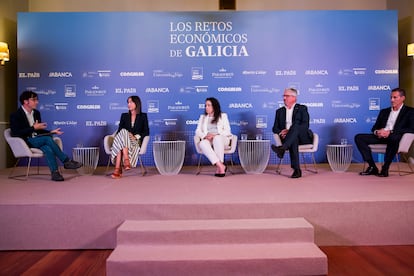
292 126
391 124
26 123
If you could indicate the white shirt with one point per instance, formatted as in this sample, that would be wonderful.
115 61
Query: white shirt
29 116
392 118
289 116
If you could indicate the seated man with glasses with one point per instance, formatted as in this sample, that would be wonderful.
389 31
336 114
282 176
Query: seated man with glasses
26 123
292 126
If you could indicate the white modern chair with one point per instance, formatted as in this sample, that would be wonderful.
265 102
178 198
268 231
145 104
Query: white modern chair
303 149
109 139
20 150
404 147
227 151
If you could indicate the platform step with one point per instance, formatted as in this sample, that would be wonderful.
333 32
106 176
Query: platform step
215 231
218 259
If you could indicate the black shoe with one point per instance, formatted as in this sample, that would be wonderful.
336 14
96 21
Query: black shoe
56 176
296 174
280 151
383 173
72 165
370 171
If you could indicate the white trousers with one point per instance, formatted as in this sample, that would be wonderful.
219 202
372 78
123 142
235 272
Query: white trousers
214 151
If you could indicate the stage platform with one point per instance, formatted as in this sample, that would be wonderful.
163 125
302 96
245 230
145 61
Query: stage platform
84 212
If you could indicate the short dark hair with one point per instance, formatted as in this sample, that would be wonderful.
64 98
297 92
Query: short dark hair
26 95
399 90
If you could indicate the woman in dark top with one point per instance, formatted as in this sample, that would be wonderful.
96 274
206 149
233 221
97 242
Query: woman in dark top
133 127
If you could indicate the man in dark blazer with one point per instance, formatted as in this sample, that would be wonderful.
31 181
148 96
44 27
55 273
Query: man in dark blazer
391 124
26 123
292 126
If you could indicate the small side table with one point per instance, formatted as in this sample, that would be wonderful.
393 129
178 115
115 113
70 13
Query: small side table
168 156
339 157
254 155
88 156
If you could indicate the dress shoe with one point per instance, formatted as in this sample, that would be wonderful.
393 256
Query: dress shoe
72 165
221 174
383 173
370 171
56 176
280 151
296 174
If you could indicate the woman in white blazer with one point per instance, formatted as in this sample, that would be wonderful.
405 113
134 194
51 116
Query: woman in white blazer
214 132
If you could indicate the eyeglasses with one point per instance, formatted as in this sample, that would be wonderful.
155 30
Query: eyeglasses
34 99
288 95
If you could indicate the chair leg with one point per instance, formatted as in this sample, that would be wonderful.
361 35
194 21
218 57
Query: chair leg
402 173
199 165
278 169
315 170
143 169
26 176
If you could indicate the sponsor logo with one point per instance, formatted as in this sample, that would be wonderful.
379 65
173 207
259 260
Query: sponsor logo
316 72
162 74
157 90
46 92
48 107
97 74
170 122
117 106
340 104
313 104
345 88
270 105
360 71
88 106
95 91
285 73
194 89
95 123
260 89
132 74
61 106
261 121
317 121
60 74
240 105
127 90
319 89
374 103
178 107
70 90
229 89
386 71
379 88
240 123
197 73
29 75
191 122
345 120
254 72
222 74
65 123
153 106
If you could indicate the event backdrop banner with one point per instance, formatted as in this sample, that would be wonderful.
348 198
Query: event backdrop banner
85 65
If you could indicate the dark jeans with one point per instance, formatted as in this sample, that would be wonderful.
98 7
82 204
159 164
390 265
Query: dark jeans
50 149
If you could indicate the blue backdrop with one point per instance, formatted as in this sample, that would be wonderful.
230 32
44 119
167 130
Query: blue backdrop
85 65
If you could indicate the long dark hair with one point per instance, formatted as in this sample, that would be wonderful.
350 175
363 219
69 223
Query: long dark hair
216 107
137 102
